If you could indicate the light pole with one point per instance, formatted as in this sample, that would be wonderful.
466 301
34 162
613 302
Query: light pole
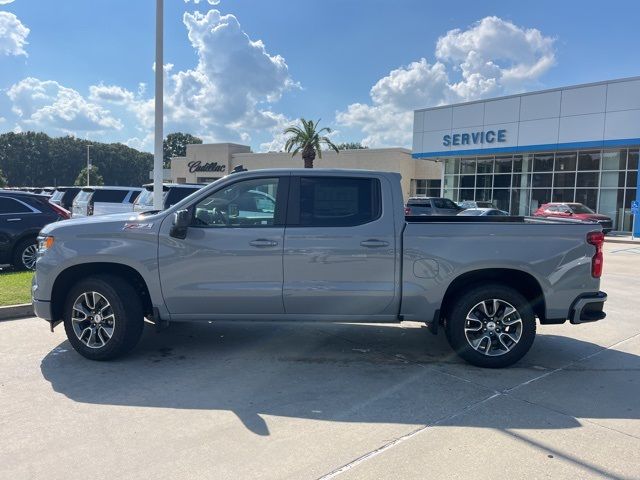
88 164
157 157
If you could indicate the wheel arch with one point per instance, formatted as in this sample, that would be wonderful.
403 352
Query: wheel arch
72 275
523 282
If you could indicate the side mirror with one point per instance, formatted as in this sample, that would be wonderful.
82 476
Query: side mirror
181 222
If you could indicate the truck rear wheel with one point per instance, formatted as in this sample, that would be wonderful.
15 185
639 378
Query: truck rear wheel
103 317
491 326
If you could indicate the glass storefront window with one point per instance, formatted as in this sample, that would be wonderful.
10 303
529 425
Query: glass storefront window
517 163
612 179
452 165
501 199
566 162
451 181
483 194
614 159
502 181
484 181
485 165
467 181
589 160
587 179
633 160
632 178
519 202
543 162
611 201
562 195
564 180
588 197
541 180
503 164
539 197
467 194
468 165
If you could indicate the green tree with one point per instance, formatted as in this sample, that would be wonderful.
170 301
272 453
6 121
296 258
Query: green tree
94 177
175 145
351 146
3 180
35 159
308 140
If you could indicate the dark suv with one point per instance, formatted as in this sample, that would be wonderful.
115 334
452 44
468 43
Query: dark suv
22 215
418 206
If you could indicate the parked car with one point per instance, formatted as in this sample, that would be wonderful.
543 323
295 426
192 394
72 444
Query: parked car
332 245
63 196
483 212
172 194
104 200
576 211
475 204
22 216
417 206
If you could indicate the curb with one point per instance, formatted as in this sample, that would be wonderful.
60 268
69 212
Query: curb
626 241
16 311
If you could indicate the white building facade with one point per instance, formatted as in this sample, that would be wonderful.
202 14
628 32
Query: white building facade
572 144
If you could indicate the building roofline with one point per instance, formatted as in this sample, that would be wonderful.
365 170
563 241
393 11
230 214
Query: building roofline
525 94
348 151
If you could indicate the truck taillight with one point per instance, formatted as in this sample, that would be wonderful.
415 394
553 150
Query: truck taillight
407 211
597 240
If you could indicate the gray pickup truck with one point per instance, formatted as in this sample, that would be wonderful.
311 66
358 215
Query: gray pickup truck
317 245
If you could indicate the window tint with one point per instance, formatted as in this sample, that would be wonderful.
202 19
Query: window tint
110 196
177 194
251 203
9 205
134 195
338 202
444 203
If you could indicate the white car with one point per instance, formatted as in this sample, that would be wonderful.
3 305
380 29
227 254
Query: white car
483 212
104 200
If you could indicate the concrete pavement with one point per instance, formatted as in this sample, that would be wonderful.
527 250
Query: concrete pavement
273 401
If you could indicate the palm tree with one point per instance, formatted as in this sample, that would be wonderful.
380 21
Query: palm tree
307 139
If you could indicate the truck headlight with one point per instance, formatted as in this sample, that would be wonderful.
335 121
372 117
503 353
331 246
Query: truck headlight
45 242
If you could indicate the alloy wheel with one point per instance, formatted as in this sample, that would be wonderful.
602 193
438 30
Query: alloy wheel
93 319
493 327
29 256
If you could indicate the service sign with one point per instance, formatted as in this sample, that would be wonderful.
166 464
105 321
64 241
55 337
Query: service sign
475 138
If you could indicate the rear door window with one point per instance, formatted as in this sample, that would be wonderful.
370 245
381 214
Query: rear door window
337 202
110 196
9 205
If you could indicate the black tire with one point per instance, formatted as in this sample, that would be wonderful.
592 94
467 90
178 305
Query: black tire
490 327
19 249
127 323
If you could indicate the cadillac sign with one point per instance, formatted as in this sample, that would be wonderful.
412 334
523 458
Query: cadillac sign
197 166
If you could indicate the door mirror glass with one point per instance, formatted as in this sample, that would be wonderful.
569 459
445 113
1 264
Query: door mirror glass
181 222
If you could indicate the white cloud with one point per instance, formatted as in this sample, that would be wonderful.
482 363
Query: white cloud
13 35
48 105
211 2
491 57
110 93
6 2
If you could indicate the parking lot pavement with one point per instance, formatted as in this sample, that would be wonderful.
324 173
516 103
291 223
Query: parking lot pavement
311 401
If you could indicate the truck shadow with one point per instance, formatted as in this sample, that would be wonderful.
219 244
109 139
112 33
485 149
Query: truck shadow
343 373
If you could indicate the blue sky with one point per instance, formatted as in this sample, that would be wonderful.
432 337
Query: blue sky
242 70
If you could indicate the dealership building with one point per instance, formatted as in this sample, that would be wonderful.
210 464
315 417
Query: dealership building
207 162
572 144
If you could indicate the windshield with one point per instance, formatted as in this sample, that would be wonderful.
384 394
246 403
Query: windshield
57 195
145 199
579 208
83 196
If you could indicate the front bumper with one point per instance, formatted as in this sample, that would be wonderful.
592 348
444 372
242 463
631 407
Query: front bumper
42 309
588 308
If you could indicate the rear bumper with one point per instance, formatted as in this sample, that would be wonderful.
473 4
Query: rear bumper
588 308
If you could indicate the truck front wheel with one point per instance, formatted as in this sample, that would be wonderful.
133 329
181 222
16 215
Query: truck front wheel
103 317
491 326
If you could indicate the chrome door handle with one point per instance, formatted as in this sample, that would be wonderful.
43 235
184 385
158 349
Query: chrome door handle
263 242
373 243
13 219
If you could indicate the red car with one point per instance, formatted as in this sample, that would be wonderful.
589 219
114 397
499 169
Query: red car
574 210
